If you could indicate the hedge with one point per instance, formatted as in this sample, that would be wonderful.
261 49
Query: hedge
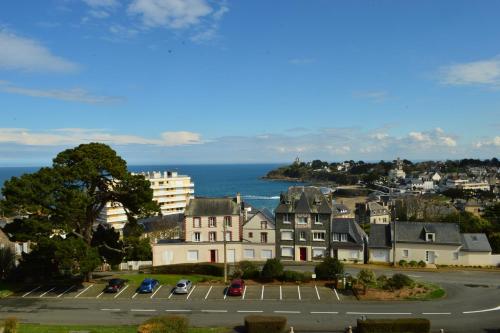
202 269
165 324
406 325
265 324
294 276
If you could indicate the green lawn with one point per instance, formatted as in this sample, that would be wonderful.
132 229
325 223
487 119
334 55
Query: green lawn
35 328
168 279
433 292
5 289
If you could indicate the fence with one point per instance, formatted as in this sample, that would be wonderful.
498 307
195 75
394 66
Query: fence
134 265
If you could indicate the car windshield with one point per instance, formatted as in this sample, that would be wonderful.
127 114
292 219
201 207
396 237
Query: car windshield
146 283
114 282
181 285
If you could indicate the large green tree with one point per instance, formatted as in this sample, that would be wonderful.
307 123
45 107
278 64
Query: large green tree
68 197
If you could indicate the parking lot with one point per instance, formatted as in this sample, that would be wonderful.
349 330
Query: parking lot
200 292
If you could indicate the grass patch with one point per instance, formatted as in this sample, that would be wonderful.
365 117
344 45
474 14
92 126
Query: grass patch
35 328
6 289
168 279
433 292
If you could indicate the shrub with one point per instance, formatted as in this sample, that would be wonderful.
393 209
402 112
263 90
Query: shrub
413 263
273 269
293 276
398 281
328 269
366 277
265 324
10 325
382 281
165 324
403 263
407 325
248 270
422 263
203 269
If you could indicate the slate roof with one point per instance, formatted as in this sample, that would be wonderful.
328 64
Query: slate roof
212 207
354 233
377 209
339 208
159 223
475 243
380 236
300 199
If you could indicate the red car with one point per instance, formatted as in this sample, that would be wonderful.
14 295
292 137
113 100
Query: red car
236 288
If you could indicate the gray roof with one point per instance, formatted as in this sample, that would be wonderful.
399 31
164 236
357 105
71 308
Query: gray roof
377 209
159 223
354 233
300 199
380 236
339 208
475 243
212 207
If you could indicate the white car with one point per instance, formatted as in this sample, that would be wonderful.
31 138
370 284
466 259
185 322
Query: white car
183 287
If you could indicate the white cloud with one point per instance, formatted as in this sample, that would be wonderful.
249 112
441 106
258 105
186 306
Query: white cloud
75 136
432 138
493 142
71 95
20 53
102 3
175 14
483 72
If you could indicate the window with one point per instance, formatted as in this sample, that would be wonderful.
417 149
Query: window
196 222
302 220
266 254
336 237
263 224
229 236
227 221
263 237
455 255
429 237
343 237
212 222
160 183
319 236
197 237
405 253
212 236
316 219
249 253
192 255
286 218
302 236
318 253
286 235
250 235
287 251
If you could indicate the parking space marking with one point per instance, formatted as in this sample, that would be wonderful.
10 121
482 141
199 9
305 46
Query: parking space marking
121 291
177 310
298 291
153 295
102 292
262 293
281 294
280 311
110 309
192 289
214 311
48 291
29 292
226 291
64 292
317 293
379 313
244 292
142 310
484 310
208 292
84 290
250 311
135 295
171 293
324 312
436 313
336 294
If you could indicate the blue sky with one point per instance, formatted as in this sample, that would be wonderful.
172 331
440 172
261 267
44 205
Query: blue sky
198 81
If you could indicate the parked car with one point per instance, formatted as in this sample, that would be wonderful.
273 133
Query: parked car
114 285
183 287
236 287
148 285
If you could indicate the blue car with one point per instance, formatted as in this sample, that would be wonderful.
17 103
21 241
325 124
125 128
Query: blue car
148 285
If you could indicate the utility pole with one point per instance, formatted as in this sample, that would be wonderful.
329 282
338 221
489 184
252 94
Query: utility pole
394 243
224 222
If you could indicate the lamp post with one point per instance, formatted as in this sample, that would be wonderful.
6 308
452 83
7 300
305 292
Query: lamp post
394 242
224 222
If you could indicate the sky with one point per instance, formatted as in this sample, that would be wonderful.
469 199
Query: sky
220 81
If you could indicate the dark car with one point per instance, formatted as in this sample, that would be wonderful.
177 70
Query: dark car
148 285
114 285
236 287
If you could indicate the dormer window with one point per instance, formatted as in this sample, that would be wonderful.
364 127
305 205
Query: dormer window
430 237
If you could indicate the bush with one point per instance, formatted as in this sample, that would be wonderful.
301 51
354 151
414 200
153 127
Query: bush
403 263
165 324
293 276
248 270
413 263
10 325
398 281
328 269
366 277
382 281
265 324
203 269
422 263
273 269
407 325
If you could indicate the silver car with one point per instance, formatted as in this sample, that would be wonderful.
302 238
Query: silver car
183 287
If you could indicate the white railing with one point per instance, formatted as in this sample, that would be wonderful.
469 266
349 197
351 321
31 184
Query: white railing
134 265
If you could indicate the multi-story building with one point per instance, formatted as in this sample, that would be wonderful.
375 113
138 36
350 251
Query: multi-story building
373 213
303 219
170 190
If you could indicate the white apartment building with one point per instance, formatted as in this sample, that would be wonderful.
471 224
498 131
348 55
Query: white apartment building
170 190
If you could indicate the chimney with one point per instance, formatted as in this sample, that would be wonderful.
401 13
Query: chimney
238 198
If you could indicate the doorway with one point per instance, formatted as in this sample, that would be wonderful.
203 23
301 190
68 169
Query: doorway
430 257
213 255
303 253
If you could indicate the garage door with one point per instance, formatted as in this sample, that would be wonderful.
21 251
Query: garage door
380 255
231 255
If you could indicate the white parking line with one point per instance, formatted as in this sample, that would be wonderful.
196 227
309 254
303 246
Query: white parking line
323 312
121 291
153 295
214 311
171 293
29 292
134 295
84 290
244 292
64 292
262 293
48 291
336 294
143 310
436 313
317 292
378 313
485 310
102 292
298 291
279 311
208 292
226 291
178 310
281 294
192 289
250 311
110 309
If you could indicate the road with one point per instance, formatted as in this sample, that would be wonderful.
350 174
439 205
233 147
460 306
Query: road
472 304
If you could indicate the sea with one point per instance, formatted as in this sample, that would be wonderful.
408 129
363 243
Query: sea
210 180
